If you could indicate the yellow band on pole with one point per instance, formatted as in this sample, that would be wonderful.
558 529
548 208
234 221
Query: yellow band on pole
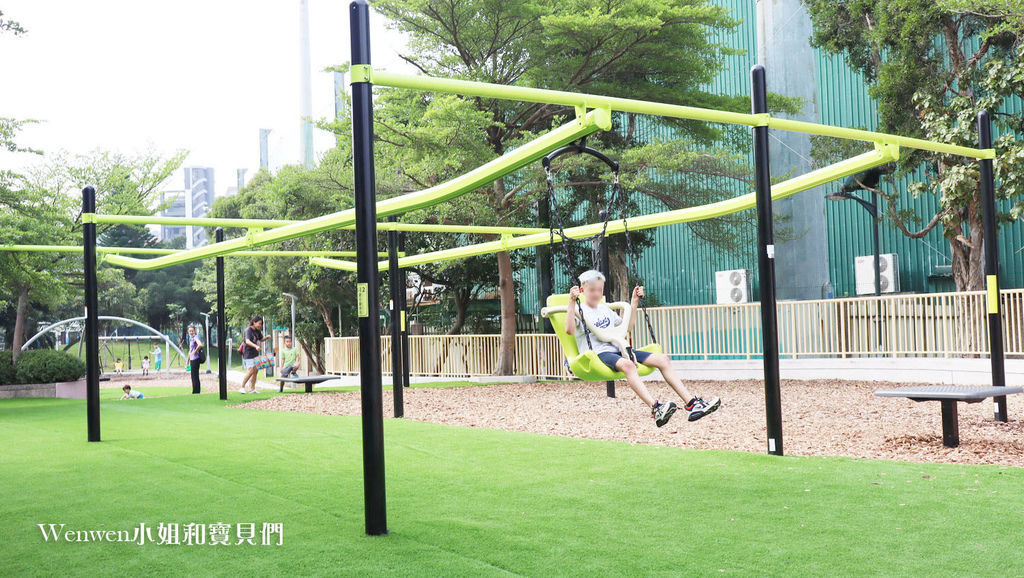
993 294
363 299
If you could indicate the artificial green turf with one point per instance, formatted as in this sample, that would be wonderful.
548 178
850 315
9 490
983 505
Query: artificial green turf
465 501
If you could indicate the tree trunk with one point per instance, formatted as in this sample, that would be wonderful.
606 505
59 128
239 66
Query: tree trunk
326 314
461 305
968 267
620 277
19 323
506 289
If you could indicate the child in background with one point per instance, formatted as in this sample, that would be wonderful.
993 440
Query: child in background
289 359
119 366
129 393
145 365
157 357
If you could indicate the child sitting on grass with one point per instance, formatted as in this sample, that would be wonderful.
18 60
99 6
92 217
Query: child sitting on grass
129 393
591 287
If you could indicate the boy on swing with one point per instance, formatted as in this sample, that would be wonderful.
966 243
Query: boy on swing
591 287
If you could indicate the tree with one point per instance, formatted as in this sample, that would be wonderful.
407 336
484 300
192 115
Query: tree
658 50
43 208
255 285
931 67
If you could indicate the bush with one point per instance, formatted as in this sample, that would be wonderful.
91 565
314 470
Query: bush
7 374
48 366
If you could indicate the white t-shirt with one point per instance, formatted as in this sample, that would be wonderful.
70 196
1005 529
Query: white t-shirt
133 394
601 317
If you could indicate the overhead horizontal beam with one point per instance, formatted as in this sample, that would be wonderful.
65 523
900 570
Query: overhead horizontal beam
575 99
156 251
483 175
879 156
271 223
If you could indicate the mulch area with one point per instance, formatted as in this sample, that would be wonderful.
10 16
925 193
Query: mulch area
820 418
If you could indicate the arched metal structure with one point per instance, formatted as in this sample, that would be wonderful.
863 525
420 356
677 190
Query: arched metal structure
53 326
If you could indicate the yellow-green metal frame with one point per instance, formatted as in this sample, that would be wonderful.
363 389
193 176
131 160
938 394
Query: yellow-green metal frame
155 251
586 124
272 223
881 155
578 100
593 113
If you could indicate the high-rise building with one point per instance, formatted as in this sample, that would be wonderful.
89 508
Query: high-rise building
193 202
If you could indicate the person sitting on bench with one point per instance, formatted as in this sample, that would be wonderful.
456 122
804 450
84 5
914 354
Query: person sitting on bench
289 359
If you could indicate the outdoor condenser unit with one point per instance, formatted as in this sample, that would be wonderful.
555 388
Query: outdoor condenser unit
732 286
889 272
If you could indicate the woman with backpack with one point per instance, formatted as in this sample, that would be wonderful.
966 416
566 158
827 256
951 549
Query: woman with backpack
251 343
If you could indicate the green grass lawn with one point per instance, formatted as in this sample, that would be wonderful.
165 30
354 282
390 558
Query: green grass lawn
465 501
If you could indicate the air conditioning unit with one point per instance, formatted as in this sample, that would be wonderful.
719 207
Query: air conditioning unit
888 269
732 287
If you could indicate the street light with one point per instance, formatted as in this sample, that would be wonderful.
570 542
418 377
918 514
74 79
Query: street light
292 334
867 180
206 318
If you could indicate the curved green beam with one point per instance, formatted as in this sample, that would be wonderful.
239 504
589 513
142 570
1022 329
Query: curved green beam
589 123
364 73
879 156
271 223
154 251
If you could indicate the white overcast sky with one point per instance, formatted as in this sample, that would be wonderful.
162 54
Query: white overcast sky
202 75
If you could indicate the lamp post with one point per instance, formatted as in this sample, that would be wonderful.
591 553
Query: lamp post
872 209
867 180
206 321
293 314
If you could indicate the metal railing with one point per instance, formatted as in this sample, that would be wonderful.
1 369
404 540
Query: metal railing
923 325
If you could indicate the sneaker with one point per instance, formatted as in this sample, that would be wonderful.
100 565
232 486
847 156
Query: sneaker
699 408
242 391
662 412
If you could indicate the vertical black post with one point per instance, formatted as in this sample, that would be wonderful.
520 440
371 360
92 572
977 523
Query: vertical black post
397 286
991 244
545 277
366 277
878 264
92 323
766 265
608 288
222 341
403 308
878 272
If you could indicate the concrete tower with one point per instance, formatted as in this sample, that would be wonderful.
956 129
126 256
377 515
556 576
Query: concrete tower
783 47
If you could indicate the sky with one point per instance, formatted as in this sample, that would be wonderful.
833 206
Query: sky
201 75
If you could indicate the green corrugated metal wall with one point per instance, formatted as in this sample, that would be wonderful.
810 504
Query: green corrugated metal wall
680 268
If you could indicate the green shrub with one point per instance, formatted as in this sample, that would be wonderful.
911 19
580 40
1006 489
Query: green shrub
7 373
48 366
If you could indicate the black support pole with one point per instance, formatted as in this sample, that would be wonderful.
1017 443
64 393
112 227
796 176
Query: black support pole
222 335
403 316
545 275
608 287
366 277
92 324
397 285
766 265
991 244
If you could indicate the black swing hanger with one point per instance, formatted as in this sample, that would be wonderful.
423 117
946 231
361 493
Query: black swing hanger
579 147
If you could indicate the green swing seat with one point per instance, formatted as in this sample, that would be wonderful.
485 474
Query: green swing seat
586 366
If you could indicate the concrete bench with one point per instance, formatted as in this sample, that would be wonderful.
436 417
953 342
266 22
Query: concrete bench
948 396
309 381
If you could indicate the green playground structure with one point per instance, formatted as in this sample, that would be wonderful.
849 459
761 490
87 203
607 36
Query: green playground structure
593 113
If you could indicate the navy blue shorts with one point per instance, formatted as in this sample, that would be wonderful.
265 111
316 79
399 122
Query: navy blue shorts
610 359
